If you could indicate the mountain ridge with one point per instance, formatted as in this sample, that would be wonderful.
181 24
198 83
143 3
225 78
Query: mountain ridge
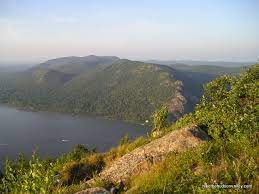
105 86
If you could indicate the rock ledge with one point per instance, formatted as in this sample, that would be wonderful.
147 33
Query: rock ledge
143 157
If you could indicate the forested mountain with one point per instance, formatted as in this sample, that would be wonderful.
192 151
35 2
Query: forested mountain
127 89
104 86
77 65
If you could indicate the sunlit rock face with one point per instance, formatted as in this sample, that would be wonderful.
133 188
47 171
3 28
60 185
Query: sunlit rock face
143 157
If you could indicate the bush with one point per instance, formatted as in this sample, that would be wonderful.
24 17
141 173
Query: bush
85 169
41 175
229 107
182 122
160 118
78 152
102 183
33 176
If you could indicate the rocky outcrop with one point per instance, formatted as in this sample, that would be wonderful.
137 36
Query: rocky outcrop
143 157
177 104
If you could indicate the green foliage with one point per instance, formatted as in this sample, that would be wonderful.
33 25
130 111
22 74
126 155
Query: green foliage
78 152
76 171
182 122
44 175
229 107
160 118
33 176
102 183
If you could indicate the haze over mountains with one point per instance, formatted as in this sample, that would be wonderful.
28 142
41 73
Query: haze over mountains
199 63
108 86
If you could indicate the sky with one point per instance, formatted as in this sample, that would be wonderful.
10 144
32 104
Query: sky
34 30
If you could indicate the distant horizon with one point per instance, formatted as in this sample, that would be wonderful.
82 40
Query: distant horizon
43 59
18 62
31 63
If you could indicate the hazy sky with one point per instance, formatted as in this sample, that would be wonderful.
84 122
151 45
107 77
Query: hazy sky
34 30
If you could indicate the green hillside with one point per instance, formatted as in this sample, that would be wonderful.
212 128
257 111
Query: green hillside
77 65
107 86
126 90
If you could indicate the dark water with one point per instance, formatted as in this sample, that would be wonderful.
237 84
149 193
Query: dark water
52 134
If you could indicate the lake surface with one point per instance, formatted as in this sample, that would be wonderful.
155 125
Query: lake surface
52 133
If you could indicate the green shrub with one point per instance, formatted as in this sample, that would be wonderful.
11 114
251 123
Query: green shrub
230 107
99 182
85 169
41 175
160 118
77 153
33 176
182 122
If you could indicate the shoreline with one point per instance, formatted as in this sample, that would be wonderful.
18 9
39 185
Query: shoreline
91 115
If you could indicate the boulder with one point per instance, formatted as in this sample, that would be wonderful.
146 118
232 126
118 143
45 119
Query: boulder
143 157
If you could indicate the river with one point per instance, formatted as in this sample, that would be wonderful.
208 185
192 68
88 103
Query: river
52 134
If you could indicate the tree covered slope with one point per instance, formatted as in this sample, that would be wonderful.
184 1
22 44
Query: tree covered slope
126 89
104 86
